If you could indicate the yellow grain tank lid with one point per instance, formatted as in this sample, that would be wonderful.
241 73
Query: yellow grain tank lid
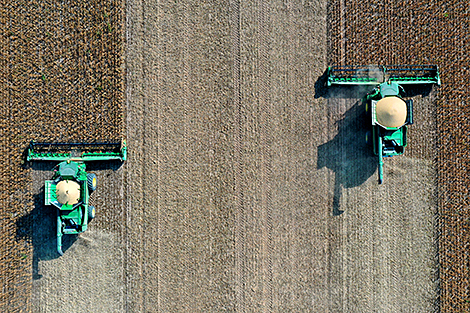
391 112
68 192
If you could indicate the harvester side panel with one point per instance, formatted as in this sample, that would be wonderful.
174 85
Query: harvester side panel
49 192
409 109
59 234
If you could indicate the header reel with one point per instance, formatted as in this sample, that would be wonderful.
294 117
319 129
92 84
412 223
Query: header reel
374 75
62 151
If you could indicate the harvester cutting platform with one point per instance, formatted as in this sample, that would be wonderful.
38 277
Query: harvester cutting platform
389 113
70 188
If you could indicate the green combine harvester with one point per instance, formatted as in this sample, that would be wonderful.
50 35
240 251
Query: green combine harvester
70 188
388 112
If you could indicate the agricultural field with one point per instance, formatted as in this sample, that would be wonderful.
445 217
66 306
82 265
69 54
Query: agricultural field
248 186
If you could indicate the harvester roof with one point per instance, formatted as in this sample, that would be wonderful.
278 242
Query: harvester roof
68 192
391 112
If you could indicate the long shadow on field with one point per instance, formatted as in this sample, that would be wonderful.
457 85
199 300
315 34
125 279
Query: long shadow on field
348 154
40 225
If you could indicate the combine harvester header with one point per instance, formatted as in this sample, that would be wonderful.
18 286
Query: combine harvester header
374 75
94 151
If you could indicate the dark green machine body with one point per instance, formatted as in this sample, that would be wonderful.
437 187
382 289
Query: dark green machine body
71 218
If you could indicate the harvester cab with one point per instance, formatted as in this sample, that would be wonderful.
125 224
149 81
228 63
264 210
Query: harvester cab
70 188
389 113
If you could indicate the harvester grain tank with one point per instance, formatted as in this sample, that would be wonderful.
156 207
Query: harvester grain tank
70 187
389 113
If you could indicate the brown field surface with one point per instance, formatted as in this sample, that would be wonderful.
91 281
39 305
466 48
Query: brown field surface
248 187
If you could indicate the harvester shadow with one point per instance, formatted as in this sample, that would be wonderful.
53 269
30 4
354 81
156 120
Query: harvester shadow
321 91
103 165
40 225
347 154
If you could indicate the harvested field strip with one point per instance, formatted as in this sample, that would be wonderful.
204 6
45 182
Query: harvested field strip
179 109
414 32
61 80
239 245
232 207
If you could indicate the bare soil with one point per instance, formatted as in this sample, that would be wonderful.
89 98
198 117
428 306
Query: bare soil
241 165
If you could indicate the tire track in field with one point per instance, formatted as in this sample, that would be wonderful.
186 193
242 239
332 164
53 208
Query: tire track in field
152 223
292 63
144 160
134 178
266 140
161 227
256 156
240 222
187 111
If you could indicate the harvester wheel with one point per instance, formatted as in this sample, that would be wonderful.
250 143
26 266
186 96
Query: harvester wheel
92 181
91 212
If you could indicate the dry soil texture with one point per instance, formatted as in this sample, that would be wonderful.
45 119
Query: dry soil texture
241 164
